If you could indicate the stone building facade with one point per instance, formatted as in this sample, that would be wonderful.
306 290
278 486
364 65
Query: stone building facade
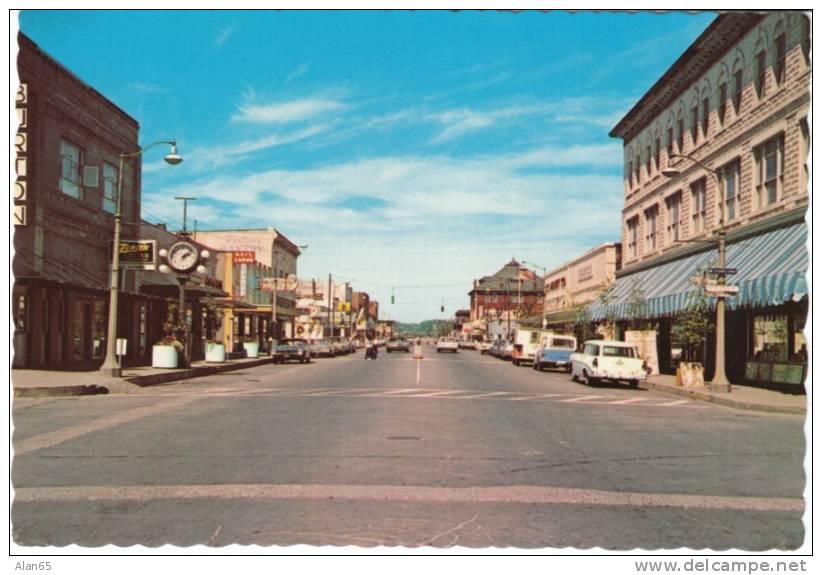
720 144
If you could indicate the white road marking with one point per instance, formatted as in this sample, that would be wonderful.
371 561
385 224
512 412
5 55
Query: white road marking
627 401
581 398
418 372
677 402
540 396
525 494
53 438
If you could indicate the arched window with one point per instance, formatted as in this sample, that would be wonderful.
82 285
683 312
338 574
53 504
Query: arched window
705 104
722 94
739 83
694 119
761 64
680 130
779 47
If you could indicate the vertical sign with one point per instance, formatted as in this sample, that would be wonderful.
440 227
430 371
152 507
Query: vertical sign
243 279
21 160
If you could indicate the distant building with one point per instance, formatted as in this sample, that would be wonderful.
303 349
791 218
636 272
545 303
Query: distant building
736 103
569 288
249 251
513 292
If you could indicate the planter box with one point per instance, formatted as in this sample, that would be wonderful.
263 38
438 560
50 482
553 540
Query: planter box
164 356
252 348
214 353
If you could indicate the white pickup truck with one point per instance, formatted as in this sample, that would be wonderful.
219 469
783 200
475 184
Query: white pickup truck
608 360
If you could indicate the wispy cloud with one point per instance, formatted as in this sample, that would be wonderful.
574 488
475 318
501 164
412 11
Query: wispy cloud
297 72
224 34
286 112
148 88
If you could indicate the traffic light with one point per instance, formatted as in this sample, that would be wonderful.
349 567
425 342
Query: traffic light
442 308
392 300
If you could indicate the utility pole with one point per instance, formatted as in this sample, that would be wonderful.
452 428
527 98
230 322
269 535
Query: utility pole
185 209
330 301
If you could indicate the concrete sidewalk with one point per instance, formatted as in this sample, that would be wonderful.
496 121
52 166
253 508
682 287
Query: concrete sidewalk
740 397
45 383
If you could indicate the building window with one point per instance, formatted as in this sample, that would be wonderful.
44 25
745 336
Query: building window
680 136
651 215
730 183
648 162
633 235
694 122
70 156
670 141
674 205
779 70
706 112
656 154
737 90
769 170
109 188
723 101
638 167
630 174
806 38
698 205
761 70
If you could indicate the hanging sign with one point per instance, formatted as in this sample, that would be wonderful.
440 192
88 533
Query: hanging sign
244 257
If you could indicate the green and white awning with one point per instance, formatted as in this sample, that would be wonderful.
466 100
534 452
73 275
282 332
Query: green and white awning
771 270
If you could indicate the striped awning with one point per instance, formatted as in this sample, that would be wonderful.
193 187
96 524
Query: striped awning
771 270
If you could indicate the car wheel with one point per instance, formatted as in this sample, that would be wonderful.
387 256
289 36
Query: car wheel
633 384
592 381
574 376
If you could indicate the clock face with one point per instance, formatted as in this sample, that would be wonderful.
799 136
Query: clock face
183 256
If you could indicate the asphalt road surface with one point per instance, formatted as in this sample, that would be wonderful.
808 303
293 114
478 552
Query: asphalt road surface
453 450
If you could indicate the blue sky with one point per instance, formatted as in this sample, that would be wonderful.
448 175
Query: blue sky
413 150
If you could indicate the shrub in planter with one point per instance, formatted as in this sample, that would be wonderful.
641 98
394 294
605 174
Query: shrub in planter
164 353
214 352
251 347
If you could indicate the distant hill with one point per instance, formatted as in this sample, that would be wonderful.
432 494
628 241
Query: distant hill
427 328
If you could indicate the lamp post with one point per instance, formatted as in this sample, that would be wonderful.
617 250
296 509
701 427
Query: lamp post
720 382
110 366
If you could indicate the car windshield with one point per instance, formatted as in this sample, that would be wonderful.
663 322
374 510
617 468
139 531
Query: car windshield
614 351
563 342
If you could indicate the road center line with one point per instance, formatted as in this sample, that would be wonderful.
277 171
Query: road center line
526 494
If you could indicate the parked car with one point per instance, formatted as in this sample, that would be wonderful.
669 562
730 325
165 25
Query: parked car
468 344
447 344
555 351
291 350
321 348
484 347
397 344
608 360
506 350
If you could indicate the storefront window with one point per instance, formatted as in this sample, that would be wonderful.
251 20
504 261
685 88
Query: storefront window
771 338
20 312
100 319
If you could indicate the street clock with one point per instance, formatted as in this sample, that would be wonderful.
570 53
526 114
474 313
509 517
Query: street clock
183 257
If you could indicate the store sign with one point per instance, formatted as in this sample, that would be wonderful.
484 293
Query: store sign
721 291
244 257
19 192
137 254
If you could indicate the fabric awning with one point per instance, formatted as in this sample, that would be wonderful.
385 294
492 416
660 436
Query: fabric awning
771 269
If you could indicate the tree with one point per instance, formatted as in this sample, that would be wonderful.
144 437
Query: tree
606 299
637 307
692 326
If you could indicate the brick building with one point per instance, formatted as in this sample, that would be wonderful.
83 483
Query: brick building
68 146
511 293
731 116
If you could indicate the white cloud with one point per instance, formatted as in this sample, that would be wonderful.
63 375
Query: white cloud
297 72
287 112
224 34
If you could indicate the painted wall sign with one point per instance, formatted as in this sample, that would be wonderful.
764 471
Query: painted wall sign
244 257
19 191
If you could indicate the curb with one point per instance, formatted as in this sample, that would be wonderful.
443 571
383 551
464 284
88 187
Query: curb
63 391
138 380
711 398
160 378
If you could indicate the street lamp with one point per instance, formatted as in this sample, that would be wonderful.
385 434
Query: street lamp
720 381
110 365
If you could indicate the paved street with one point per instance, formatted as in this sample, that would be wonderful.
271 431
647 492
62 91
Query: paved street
453 450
